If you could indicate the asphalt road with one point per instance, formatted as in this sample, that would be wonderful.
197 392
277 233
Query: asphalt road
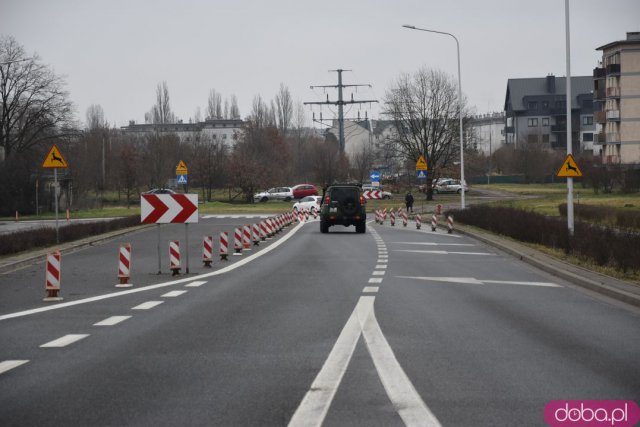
392 327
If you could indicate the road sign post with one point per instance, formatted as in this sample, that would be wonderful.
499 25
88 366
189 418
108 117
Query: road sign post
55 160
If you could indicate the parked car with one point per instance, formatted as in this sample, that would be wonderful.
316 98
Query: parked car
160 191
275 193
310 202
383 194
304 190
448 185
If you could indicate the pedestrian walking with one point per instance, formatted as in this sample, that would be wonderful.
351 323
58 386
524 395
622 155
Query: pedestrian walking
408 200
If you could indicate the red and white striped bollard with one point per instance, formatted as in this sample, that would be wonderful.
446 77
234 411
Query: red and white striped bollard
124 266
207 251
174 257
434 222
450 224
224 245
53 275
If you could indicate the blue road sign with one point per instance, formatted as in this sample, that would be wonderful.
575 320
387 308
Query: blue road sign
422 174
182 179
375 176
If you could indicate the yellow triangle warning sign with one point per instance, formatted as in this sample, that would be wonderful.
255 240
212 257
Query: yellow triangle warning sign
181 169
54 159
569 168
421 164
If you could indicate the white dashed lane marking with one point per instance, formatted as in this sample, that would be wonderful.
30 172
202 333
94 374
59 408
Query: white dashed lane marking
370 289
195 284
147 305
64 341
375 280
173 294
111 321
8 365
378 273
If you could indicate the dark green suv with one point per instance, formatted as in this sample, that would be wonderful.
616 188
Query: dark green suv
344 205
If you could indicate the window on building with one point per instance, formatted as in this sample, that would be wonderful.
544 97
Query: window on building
545 138
532 138
532 105
545 104
587 120
545 121
214 136
587 137
224 136
532 122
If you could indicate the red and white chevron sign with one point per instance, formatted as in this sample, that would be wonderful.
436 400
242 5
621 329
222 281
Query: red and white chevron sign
168 208
372 194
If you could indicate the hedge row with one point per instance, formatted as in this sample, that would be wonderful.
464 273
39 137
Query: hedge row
602 245
46 236
629 219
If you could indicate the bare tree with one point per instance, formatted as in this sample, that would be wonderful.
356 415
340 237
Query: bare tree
214 105
284 106
33 104
259 113
424 109
161 111
234 111
95 117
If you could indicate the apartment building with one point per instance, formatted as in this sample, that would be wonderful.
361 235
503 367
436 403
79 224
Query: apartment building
616 89
225 131
487 132
536 111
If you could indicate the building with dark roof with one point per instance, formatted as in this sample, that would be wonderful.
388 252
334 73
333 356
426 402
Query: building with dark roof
616 84
536 112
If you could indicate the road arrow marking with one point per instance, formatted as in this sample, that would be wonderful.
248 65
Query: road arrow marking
442 252
473 281
404 397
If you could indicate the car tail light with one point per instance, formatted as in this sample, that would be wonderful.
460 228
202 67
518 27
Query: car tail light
362 200
327 200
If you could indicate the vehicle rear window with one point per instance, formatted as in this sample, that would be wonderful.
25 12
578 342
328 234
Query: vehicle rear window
344 193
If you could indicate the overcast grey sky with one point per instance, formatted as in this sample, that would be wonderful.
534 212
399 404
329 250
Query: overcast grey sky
115 52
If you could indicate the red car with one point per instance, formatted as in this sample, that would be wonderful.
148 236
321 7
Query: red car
304 190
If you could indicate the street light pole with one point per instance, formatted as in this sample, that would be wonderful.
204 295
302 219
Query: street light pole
411 27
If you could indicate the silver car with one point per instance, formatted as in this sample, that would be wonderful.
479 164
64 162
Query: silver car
449 186
275 193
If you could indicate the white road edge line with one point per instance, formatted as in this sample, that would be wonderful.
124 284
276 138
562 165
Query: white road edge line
8 365
159 285
406 400
64 341
112 321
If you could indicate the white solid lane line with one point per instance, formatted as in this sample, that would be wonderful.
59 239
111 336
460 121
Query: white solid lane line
8 365
158 285
173 294
64 341
111 321
315 404
433 244
404 397
401 392
147 305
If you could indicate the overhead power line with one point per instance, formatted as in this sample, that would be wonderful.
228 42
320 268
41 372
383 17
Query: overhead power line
341 102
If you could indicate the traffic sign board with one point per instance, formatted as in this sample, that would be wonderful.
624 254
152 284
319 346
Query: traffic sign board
422 174
54 159
375 176
168 208
421 164
569 168
372 194
182 179
181 169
